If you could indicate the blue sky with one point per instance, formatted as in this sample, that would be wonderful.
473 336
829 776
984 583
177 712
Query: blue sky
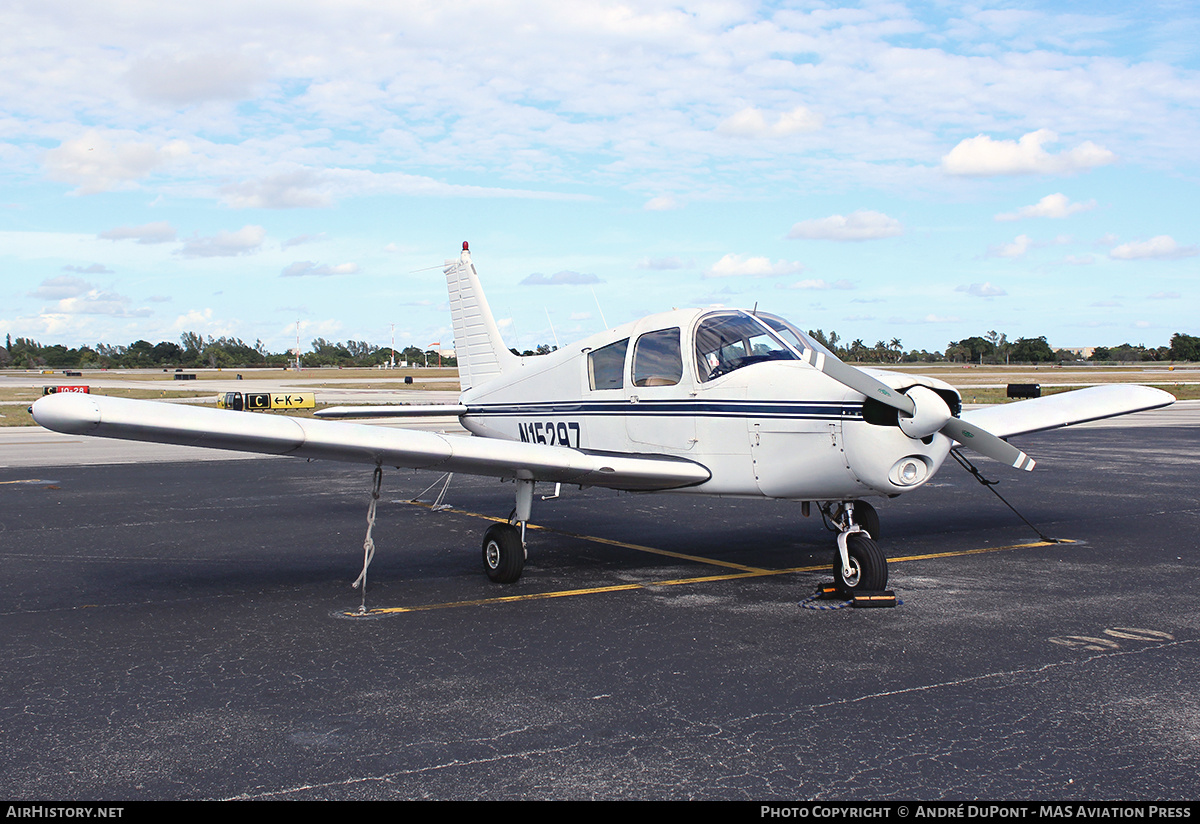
921 171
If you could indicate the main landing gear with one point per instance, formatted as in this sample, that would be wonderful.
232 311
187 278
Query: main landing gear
504 544
860 565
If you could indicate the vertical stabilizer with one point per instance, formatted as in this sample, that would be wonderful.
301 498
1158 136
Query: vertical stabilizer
481 352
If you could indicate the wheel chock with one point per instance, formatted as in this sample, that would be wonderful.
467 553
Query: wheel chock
866 600
863 600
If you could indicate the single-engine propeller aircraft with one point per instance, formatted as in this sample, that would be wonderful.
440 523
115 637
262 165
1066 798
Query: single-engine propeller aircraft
719 402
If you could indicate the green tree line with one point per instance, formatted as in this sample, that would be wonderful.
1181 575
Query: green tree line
995 347
196 351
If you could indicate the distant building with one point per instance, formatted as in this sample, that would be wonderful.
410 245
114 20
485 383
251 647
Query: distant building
1081 352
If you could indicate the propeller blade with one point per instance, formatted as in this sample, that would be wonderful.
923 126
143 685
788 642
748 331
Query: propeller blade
859 381
979 440
985 443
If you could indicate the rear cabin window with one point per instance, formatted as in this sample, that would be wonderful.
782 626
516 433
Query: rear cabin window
657 359
606 366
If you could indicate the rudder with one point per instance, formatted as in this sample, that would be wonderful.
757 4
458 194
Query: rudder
481 352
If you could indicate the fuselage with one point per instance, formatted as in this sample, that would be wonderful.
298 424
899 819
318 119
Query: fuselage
724 388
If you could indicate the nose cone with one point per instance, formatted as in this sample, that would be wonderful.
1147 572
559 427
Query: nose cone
72 413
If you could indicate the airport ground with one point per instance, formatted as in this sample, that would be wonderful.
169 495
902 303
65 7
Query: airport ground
179 624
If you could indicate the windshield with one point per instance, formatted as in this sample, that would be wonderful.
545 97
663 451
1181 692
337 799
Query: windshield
792 335
730 340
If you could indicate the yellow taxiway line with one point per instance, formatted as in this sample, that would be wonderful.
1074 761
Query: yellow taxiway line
744 571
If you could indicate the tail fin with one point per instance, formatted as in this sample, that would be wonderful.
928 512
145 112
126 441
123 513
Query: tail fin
481 352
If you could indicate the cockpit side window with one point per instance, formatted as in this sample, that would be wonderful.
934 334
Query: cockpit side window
606 366
729 341
657 359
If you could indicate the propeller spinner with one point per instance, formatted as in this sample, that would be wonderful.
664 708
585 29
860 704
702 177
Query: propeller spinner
922 411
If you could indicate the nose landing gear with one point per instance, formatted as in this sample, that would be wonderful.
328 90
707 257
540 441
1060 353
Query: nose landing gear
860 565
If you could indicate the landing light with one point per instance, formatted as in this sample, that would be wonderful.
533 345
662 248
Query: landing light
909 471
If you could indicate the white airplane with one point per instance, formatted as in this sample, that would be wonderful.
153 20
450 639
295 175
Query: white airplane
718 402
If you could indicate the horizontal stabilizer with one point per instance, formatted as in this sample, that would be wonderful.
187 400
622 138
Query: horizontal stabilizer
427 410
359 443
1067 408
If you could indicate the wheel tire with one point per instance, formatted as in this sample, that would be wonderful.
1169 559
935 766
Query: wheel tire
868 563
503 553
867 518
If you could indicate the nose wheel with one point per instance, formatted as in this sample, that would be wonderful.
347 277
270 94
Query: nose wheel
860 566
865 569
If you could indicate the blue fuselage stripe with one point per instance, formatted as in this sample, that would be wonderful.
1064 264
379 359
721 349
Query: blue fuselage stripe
675 408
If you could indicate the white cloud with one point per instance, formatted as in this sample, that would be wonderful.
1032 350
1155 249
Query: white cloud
1019 246
981 290
751 123
735 266
665 263
981 156
192 318
299 189
1164 296
160 232
860 225
799 119
201 321
663 203
559 279
96 302
819 283
225 244
1052 206
1162 247
93 269
95 164
61 287
75 296
180 81
299 240
306 268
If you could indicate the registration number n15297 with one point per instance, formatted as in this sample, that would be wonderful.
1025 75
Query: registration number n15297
554 433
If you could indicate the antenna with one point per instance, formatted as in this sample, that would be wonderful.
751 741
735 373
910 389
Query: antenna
552 332
598 309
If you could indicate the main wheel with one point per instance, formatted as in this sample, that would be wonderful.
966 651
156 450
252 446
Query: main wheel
868 565
503 553
867 518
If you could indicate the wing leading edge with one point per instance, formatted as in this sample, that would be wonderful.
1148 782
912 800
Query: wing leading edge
394 411
358 443
1067 408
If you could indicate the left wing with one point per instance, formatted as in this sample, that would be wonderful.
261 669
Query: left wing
305 438
1067 408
